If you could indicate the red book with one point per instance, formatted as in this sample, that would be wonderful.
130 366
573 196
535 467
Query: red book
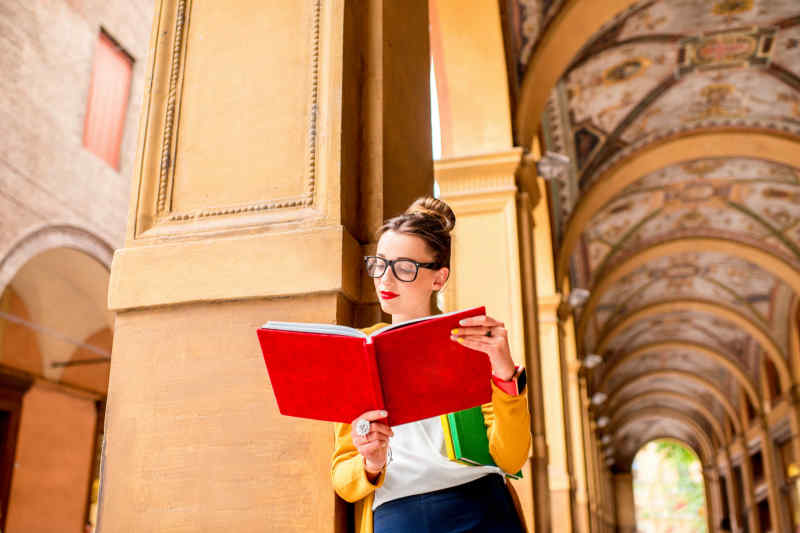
412 369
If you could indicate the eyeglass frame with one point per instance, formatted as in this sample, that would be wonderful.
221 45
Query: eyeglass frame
391 262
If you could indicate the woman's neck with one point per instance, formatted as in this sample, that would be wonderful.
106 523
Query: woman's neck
396 319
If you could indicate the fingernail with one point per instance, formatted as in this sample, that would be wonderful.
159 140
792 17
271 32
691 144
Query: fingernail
460 340
383 413
454 331
461 322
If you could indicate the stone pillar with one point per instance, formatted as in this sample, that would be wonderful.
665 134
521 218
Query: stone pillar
794 423
274 138
626 510
485 259
590 456
734 498
579 492
713 497
552 365
526 201
749 490
777 510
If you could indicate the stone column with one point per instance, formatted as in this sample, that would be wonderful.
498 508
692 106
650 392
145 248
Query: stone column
552 365
579 492
274 138
526 201
734 498
777 510
626 510
713 497
485 261
749 490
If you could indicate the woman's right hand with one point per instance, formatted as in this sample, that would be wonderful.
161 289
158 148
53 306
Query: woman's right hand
374 445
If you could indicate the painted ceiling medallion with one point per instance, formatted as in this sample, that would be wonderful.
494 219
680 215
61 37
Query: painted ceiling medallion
697 192
678 271
630 68
729 48
731 7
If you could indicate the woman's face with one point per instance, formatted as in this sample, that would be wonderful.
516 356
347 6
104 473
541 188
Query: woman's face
412 299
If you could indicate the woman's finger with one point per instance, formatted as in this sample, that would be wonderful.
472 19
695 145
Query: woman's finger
476 343
372 447
370 416
381 428
482 320
480 331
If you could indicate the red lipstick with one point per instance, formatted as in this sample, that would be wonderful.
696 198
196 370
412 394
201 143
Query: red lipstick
387 295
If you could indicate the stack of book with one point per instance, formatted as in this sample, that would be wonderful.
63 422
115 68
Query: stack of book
466 440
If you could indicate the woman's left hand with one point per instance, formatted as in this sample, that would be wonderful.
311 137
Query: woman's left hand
472 334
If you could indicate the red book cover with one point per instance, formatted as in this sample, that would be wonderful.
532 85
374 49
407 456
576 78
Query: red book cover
412 369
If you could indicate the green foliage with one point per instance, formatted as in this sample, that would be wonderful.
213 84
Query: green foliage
668 489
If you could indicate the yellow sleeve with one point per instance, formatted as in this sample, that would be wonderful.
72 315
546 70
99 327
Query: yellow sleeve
348 475
508 426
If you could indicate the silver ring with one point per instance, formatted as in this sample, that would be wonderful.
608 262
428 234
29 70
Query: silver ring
362 427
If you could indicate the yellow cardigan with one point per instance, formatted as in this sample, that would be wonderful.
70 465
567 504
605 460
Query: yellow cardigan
508 428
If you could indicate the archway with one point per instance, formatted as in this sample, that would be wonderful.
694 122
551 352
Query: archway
56 336
668 488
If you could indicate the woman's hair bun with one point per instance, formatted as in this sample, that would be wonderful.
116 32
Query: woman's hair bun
428 205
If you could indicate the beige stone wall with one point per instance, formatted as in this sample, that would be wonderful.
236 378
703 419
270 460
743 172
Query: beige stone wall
46 55
50 483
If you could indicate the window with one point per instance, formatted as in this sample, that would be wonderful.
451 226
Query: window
108 100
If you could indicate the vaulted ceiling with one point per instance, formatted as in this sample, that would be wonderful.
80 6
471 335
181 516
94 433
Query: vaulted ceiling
680 208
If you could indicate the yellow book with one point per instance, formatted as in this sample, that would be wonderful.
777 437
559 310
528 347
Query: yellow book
448 439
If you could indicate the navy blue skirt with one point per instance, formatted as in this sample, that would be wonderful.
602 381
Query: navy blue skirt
480 506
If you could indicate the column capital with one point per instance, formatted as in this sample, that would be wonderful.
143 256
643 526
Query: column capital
478 174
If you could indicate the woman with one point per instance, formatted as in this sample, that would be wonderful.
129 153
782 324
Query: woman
400 478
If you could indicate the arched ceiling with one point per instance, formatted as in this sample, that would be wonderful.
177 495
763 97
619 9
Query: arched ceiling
680 208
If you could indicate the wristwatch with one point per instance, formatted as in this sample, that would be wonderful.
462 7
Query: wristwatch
512 386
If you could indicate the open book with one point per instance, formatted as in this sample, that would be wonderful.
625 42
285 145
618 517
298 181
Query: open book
412 369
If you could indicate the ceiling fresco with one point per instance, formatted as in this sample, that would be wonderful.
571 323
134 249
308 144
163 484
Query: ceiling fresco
685 326
634 435
664 70
668 67
711 276
654 402
748 200
660 383
674 359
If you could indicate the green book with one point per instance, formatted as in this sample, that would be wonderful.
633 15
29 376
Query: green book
466 439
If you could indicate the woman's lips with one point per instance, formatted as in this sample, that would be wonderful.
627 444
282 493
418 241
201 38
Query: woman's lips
388 295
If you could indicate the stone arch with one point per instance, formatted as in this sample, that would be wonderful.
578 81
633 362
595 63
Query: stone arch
775 265
575 23
656 155
667 412
52 236
756 331
738 372
680 374
708 416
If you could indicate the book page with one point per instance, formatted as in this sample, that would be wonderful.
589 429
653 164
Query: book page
415 320
310 327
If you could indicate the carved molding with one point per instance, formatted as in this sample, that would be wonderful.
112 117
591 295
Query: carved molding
166 176
155 207
481 174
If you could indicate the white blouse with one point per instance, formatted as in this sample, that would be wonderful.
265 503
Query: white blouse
420 464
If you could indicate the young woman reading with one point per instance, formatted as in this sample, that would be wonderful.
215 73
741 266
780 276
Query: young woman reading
400 478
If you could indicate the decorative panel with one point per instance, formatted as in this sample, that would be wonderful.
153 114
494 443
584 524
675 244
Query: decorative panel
231 139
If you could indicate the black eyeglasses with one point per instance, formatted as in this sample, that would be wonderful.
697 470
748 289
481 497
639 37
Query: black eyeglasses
403 269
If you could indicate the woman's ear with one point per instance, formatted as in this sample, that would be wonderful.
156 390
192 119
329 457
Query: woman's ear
442 275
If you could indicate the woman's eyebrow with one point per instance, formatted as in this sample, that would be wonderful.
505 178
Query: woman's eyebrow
381 255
